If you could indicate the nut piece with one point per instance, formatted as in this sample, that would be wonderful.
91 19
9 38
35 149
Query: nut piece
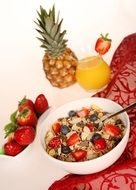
86 130
52 152
94 107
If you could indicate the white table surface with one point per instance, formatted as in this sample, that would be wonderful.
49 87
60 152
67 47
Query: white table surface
21 71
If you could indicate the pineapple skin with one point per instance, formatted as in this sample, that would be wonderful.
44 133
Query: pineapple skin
60 71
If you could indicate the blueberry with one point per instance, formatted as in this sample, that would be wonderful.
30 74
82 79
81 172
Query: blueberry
93 117
95 136
72 113
65 149
64 129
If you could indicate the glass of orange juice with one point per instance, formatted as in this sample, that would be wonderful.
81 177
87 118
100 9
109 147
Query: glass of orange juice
93 73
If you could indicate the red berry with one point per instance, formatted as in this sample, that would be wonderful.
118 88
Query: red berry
27 117
100 144
83 113
103 44
73 139
41 104
112 130
90 126
79 154
24 135
12 148
54 142
25 103
56 127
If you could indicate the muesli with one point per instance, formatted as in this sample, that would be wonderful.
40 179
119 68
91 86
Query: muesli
80 137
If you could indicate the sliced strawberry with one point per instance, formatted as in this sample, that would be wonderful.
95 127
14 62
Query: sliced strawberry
79 154
83 113
90 126
112 130
54 142
56 127
73 139
100 144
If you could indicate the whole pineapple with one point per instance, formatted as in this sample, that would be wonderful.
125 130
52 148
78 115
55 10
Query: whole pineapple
59 62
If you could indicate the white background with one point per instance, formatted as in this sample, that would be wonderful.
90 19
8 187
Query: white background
21 70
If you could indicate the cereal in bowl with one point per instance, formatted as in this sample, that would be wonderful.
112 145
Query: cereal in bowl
80 137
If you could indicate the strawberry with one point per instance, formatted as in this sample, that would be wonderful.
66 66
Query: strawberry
83 113
25 103
24 135
79 154
54 142
112 130
90 126
56 127
11 136
100 144
103 44
12 148
27 117
73 139
41 104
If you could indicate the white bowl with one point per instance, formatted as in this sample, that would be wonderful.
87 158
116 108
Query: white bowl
97 164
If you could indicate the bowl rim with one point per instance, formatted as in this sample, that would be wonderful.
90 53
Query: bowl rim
95 159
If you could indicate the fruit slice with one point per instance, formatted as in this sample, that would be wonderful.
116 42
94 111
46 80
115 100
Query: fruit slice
12 148
54 142
73 139
112 130
83 113
91 127
24 135
79 154
100 144
56 127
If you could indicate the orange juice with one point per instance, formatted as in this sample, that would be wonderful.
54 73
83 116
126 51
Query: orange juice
92 73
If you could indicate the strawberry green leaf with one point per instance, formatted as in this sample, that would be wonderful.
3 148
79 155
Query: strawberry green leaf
2 151
9 128
22 101
13 117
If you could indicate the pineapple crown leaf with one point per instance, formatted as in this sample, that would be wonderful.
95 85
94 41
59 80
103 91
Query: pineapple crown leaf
50 30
